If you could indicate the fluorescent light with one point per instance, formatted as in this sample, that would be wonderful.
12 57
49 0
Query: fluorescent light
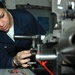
58 2
60 7
72 5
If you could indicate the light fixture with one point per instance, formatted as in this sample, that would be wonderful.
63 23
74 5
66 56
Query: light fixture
60 7
58 2
72 5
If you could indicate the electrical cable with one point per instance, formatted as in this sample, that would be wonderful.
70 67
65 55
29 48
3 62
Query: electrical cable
43 63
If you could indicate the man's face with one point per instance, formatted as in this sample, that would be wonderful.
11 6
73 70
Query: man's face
4 20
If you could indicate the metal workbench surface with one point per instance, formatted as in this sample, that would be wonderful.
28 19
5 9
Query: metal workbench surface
20 72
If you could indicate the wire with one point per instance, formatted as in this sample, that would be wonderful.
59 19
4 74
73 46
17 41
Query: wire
43 63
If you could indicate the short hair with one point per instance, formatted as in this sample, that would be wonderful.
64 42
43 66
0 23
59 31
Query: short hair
2 5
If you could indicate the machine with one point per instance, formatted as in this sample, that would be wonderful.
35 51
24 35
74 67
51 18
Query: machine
52 51
55 53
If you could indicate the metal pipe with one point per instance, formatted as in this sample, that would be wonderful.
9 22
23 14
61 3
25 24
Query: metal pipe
46 57
26 37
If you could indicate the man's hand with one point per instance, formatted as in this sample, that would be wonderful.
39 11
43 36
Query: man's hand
21 59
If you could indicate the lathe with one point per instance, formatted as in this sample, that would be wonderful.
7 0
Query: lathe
54 53
50 52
